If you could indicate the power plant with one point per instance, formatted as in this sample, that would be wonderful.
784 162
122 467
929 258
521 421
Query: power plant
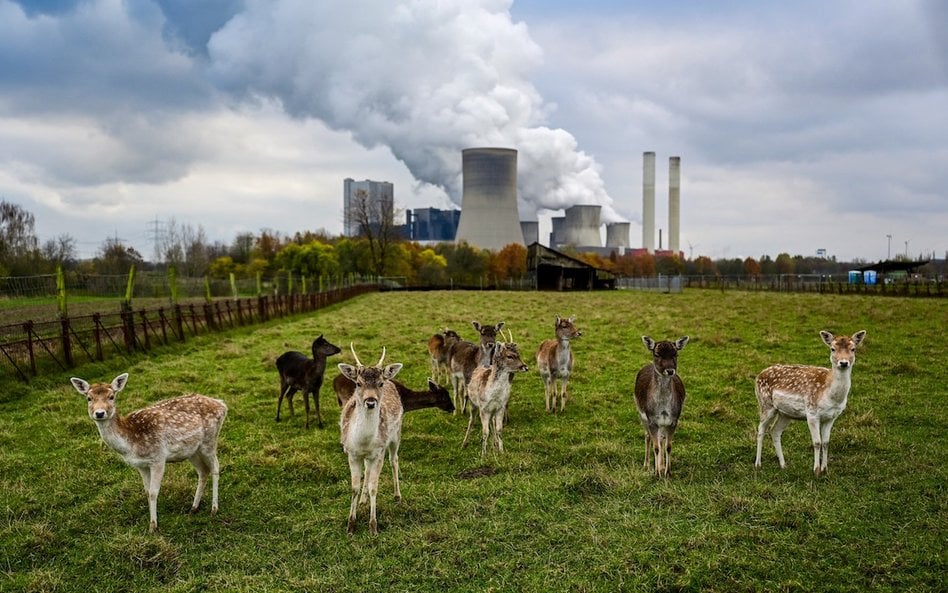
489 215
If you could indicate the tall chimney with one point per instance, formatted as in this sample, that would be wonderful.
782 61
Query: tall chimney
648 201
674 203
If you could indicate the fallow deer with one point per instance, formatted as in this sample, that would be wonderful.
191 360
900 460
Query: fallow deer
297 372
438 345
555 362
815 394
172 430
659 398
370 425
464 357
436 396
489 392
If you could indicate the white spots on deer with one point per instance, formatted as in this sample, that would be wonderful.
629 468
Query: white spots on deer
815 394
172 430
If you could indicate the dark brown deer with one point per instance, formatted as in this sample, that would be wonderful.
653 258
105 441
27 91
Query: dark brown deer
659 397
436 396
815 394
172 430
464 357
370 425
555 362
489 392
297 372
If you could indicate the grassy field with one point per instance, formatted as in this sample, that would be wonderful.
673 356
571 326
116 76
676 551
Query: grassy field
568 507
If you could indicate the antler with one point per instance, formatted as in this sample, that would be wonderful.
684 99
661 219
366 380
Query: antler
509 335
379 363
354 355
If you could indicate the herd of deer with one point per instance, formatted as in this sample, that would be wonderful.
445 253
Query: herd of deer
481 374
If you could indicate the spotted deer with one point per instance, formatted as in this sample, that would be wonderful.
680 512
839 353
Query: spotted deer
815 394
489 392
297 372
555 362
659 398
464 357
438 347
370 425
172 430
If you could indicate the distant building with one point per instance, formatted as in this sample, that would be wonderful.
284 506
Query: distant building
432 224
379 205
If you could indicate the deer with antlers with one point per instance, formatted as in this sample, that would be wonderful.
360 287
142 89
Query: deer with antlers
370 425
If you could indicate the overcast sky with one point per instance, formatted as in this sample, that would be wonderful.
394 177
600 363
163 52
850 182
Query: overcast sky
800 125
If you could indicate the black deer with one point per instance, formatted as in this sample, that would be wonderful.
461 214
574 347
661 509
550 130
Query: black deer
299 372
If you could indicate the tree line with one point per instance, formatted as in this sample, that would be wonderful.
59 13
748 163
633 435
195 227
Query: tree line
378 251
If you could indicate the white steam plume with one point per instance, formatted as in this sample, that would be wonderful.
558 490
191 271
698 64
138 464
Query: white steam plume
426 78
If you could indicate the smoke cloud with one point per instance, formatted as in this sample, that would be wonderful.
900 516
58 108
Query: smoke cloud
425 78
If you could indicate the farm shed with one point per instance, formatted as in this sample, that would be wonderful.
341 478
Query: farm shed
554 270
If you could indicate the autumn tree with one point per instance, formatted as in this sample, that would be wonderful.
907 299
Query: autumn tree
509 263
751 267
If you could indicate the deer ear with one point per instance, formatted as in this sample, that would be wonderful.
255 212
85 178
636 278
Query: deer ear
500 326
348 371
81 385
431 384
649 343
827 338
572 318
476 325
119 382
557 320
859 336
391 370
680 342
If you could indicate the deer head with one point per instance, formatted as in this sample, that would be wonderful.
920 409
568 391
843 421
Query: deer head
842 348
101 396
369 380
665 354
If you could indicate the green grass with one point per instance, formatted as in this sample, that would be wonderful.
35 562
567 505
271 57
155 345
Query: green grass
568 507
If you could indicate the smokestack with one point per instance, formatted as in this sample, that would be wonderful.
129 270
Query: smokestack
674 202
582 226
489 216
617 234
531 231
648 201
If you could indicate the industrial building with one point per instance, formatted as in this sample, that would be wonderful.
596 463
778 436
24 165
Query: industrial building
432 224
361 200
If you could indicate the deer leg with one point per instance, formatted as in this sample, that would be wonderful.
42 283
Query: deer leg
365 473
648 447
470 422
285 390
145 473
393 458
765 419
498 430
563 383
306 404
657 450
355 475
372 483
203 469
154 485
825 429
215 476
485 432
319 416
776 432
813 423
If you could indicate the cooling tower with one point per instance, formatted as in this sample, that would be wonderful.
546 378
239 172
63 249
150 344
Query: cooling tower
582 226
557 236
674 202
489 216
648 201
530 230
617 234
